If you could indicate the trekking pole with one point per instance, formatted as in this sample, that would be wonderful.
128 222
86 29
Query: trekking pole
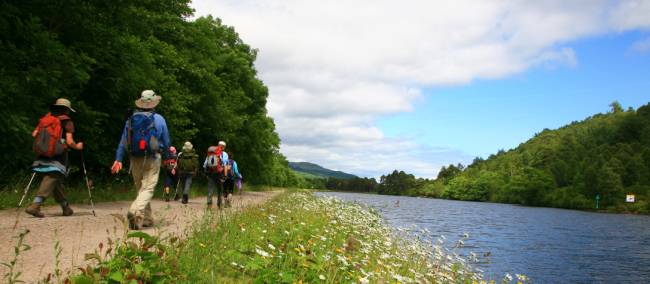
26 189
83 164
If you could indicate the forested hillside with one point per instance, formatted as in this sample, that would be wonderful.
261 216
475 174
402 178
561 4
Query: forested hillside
102 54
606 155
318 171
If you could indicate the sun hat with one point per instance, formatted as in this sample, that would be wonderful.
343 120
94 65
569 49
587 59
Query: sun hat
64 103
148 100
221 143
187 146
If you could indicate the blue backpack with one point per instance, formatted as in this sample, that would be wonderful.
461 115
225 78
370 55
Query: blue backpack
143 138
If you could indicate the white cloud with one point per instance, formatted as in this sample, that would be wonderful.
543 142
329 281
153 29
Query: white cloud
641 46
334 67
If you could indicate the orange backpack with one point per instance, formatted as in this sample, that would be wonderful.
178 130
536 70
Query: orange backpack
48 141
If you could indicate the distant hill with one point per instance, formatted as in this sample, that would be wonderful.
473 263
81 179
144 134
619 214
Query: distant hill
312 170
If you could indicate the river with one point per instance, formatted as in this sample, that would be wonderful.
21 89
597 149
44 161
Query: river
548 245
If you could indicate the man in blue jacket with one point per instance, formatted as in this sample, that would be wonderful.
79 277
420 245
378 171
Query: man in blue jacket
145 137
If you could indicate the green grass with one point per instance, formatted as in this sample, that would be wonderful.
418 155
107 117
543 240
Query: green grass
295 238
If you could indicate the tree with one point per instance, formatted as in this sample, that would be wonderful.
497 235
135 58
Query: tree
101 56
615 107
447 173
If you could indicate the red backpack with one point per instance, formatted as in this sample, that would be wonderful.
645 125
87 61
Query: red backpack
48 140
214 164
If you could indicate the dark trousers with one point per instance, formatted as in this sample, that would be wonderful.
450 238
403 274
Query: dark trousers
185 183
229 186
215 180
52 183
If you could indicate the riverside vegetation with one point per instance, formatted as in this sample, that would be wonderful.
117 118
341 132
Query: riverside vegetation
294 238
606 155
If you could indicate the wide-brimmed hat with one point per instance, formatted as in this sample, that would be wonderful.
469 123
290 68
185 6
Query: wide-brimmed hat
221 143
64 103
148 100
187 146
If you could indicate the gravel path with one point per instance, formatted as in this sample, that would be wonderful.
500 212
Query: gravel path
82 232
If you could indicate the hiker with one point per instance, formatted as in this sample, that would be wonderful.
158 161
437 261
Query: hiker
232 176
188 165
53 136
214 168
171 175
145 136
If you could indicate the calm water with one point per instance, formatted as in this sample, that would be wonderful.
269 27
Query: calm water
549 245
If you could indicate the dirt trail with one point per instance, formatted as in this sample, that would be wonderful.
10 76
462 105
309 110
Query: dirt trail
82 232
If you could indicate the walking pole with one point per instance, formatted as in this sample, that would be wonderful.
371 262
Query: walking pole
83 164
26 189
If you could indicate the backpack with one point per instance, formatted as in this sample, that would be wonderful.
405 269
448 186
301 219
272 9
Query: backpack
188 161
170 163
49 141
229 170
143 138
214 164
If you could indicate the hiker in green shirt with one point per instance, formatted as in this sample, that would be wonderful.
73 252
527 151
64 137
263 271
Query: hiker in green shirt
188 165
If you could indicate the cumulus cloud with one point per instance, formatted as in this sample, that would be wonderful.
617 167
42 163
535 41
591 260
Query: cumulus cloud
334 67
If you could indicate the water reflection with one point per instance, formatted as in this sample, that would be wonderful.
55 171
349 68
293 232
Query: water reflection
549 245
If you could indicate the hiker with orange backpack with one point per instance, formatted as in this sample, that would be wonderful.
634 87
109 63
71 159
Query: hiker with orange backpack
214 167
146 138
53 136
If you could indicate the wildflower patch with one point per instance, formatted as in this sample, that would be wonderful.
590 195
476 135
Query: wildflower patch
295 238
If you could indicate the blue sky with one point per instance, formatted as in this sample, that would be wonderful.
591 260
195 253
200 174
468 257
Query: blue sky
484 116
370 86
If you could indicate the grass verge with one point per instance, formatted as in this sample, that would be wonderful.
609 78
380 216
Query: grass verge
295 238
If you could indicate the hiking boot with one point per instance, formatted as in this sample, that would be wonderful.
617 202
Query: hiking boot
35 210
185 198
176 197
67 211
166 194
148 222
135 222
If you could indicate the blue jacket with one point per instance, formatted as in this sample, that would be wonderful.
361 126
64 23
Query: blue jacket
235 170
161 130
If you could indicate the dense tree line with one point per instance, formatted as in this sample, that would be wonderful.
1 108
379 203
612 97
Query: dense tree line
352 184
606 155
102 54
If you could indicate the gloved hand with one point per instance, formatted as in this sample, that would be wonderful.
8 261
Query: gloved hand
117 166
